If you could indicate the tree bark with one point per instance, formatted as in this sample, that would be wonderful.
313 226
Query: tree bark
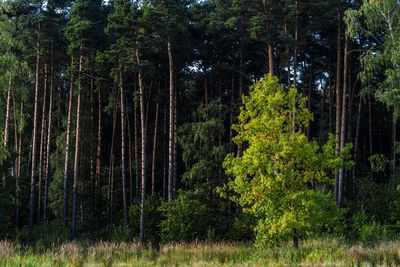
153 163
343 123
98 154
271 58
171 123
338 94
143 148
34 141
67 145
76 156
123 169
6 121
42 144
47 162
110 192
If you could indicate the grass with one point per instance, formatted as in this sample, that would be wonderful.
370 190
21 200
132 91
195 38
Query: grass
320 252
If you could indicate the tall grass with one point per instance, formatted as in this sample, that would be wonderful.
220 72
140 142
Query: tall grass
319 252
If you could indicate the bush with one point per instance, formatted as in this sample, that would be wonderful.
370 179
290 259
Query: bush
152 219
243 227
368 229
185 219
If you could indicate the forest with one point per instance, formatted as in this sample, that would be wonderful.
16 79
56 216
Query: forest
199 132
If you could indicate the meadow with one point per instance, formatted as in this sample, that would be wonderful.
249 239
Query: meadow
318 252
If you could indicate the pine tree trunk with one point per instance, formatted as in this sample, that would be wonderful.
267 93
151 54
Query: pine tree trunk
136 148
175 180
76 154
67 146
338 94
34 141
171 123
343 123
6 121
143 149
47 161
153 163
271 58
130 165
296 38
394 137
123 169
110 192
42 144
370 124
98 156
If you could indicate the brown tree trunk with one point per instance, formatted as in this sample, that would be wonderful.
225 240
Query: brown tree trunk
394 137
34 141
296 38
271 58
171 123
6 121
338 94
98 154
76 155
110 192
143 148
42 144
123 169
136 149
47 160
153 163
343 123
370 124
67 146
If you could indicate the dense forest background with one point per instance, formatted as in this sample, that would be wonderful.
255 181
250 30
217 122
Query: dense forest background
117 116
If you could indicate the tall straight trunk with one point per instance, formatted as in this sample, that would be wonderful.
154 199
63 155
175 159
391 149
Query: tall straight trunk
92 153
34 141
205 92
6 121
175 181
171 122
110 192
165 154
370 125
123 169
143 149
76 155
296 38
130 165
343 122
357 138
394 137
67 146
98 154
18 149
136 149
271 58
42 144
338 94
241 89
153 163
47 160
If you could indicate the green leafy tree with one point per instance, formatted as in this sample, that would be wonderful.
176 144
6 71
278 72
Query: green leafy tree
282 177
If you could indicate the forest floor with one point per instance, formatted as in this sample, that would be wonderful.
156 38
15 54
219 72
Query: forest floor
322 252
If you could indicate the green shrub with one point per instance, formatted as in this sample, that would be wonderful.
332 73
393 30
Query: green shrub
367 229
185 219
243 227
120 233
152 219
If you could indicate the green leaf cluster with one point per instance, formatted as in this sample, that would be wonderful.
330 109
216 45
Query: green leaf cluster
282 177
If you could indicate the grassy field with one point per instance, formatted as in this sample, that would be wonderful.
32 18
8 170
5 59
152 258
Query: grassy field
324 252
